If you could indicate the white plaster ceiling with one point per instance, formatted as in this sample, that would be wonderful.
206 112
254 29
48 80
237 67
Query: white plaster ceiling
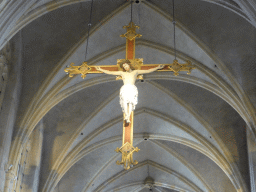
194 124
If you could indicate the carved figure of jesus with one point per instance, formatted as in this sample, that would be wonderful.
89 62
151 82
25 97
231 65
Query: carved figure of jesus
129 92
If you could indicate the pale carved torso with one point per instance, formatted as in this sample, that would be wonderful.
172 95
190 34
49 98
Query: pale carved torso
129 78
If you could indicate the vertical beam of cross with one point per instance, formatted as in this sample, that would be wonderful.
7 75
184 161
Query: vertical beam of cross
130 36
128 130
130 55
130 49
127 148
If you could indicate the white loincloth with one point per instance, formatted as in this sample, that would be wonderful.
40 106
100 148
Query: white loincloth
128 94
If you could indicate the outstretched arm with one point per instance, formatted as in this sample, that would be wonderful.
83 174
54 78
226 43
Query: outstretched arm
109 72
150 70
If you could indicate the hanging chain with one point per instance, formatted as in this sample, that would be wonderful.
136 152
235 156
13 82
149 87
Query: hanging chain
89 27
131 11
174 24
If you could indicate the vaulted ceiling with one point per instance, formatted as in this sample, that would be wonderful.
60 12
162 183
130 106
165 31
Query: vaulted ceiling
191 129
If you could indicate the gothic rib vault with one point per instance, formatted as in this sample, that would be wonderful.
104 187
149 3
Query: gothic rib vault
196 132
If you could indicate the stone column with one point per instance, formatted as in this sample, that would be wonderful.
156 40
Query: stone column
10 177
251 146
9 108
3 80
3 77
3 62
33 163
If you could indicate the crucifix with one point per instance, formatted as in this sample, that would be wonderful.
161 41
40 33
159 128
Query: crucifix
128 70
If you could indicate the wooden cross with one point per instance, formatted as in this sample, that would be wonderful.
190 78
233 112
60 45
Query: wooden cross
127 148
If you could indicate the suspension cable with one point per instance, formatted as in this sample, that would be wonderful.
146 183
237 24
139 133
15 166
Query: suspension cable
131 11
89 27
174 24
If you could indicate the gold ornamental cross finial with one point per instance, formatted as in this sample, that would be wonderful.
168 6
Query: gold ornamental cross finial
127 148
176 67
131 31
127 151
73 70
